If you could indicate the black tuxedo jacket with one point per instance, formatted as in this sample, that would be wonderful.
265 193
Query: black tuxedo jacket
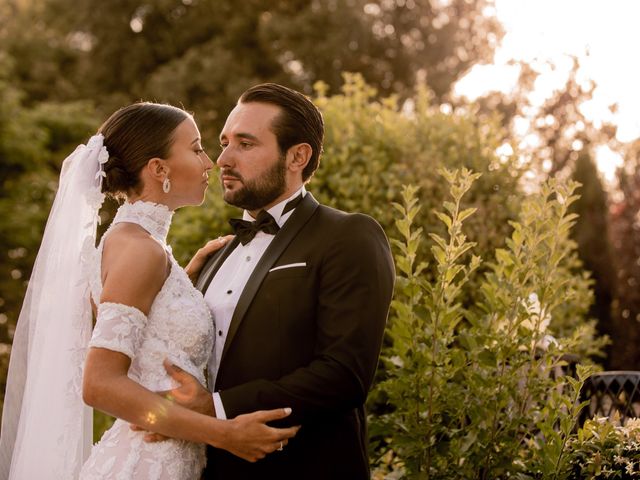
307 337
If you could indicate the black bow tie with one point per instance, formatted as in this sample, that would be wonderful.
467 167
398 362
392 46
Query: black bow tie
246 230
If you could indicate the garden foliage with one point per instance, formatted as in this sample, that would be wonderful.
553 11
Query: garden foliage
605 450
478 390
468 387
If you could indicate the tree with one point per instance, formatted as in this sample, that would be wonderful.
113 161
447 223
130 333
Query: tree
625 232
559 140
204 53
591 233
42 58
392 44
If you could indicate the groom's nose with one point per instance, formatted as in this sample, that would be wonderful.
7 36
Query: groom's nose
224 159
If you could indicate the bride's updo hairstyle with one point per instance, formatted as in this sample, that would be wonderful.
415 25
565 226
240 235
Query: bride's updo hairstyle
133 135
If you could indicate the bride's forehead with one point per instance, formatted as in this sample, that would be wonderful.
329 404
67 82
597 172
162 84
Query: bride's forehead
187 131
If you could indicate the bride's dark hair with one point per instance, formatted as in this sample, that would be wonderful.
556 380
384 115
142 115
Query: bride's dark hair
133 135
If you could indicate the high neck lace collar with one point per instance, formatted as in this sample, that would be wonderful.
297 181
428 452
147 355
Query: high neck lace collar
155 218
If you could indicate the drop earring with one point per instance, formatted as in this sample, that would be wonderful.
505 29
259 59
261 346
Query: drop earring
166 185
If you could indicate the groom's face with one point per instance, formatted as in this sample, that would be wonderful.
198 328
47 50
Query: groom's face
252 168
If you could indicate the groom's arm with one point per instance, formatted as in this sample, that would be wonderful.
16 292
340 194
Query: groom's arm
356 286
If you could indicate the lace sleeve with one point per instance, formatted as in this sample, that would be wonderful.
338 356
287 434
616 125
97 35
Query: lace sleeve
119 328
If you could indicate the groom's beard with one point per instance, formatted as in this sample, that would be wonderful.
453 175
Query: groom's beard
255 194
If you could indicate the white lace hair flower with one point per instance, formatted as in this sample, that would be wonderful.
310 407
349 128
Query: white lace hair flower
94 195
97 142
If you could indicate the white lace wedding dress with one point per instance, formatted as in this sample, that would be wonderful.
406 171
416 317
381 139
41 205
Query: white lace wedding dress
178 327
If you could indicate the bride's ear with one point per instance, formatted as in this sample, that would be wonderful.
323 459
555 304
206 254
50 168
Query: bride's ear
157 169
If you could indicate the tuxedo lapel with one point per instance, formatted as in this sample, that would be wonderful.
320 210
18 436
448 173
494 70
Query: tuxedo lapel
283 238
213 265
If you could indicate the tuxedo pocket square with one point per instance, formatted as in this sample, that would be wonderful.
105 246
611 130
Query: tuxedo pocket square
289 265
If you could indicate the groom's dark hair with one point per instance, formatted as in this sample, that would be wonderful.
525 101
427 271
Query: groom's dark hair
300 121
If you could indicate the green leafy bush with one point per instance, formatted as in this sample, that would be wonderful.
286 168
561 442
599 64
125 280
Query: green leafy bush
473 390
603 450
373 147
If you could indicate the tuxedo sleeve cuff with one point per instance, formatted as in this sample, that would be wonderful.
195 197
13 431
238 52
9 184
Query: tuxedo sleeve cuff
218 407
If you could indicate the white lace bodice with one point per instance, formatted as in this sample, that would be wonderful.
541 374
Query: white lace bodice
179 325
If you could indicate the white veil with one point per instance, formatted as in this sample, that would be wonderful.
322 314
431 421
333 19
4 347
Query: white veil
46 428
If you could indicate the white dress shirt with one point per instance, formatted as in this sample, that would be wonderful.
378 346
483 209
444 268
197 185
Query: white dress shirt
226 286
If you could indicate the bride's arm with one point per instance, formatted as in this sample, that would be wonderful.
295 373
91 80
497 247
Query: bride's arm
108 389
134 269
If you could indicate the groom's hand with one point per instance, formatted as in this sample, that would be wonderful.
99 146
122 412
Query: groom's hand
190 394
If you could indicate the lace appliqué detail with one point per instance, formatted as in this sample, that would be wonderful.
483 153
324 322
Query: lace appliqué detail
179 328
122 454
118 328
153 217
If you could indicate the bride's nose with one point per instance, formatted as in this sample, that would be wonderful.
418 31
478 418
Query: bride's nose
207 163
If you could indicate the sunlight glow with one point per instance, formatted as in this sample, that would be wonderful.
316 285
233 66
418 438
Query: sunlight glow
484 78
608 161
603 34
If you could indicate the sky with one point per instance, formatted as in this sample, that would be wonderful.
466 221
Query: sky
603 34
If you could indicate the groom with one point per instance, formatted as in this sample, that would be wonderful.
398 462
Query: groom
299 298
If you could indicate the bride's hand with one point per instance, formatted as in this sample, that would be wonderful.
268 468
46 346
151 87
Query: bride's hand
201 256
250 438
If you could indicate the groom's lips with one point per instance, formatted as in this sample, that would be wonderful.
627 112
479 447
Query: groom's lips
229 178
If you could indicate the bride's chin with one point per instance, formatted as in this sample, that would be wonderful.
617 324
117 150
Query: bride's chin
195 201
202 199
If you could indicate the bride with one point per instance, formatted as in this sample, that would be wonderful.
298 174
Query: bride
147 312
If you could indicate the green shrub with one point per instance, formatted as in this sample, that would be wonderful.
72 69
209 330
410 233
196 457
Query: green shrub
373 147
603 450
472 390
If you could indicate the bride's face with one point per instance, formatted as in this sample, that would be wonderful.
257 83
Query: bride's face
188 166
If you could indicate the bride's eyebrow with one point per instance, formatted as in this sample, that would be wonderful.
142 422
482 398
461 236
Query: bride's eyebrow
197 140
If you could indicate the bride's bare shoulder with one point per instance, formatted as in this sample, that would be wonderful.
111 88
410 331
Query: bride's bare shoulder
131 240
134 266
